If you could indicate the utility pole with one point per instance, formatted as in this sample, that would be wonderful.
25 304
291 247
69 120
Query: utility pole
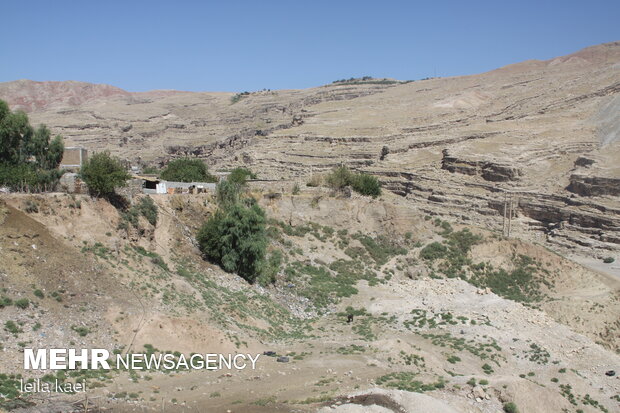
504 219
510 215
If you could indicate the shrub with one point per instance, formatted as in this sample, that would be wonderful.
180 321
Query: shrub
39 293
145 207
487 368
510 408
187 170
608 260
240 175
454 359
296 189
339 178
236 98
148 209
362 183
82 331
5 301
12 328
366 185
315 181
235 238
22 303
271 267
434 251
31 206
27 177
103 174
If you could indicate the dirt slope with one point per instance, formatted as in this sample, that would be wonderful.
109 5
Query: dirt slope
153 289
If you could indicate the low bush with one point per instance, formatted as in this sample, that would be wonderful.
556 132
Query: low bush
27 177
31 207
339 178
434 251
365 184
12 328
510 408
361 183
236 98
5 301
148 209
315 181
22 303
145 207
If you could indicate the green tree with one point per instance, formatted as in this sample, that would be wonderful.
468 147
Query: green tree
240 175
28 160
236 240
103 174
47 154
15 135
187 170
227 193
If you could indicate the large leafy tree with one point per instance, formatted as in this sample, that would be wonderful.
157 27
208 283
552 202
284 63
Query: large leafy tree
47 154
15 135
187 170
103 174
28 158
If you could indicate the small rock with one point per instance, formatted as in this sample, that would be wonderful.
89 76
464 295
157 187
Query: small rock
478 392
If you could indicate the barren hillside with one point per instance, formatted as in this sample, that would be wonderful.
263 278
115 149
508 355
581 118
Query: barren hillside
471 344
447 312
545 130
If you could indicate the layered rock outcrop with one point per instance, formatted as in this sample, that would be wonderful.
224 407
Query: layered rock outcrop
488 170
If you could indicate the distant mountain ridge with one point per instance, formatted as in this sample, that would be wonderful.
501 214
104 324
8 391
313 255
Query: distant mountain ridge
32 96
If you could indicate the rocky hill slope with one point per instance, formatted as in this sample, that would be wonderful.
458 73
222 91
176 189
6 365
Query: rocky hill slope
449 326
546 131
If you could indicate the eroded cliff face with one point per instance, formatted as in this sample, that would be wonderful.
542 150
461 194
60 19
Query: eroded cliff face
594 185
545 131
488 170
